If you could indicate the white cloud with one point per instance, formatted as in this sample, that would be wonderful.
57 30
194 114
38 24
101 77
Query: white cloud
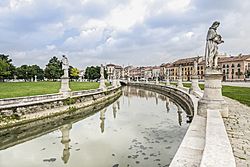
135 31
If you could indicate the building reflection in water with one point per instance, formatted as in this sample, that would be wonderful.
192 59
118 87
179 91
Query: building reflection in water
118 104
179 112
102 118
65 141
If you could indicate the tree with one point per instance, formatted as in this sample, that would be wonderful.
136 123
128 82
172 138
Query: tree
92 73
74 73
6 68
53 69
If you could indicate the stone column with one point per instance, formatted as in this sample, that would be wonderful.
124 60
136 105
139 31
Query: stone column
65 90
65 141
102 79
195 79
137 79
35 78
212 97
179 82
167 78
157 80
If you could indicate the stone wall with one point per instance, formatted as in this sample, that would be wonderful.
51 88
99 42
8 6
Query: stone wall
179 96
14 111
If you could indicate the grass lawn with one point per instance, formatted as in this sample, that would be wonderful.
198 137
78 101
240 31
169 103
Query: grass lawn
19 89
241 94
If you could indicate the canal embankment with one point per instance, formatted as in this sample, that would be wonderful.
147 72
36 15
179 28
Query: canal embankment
16 111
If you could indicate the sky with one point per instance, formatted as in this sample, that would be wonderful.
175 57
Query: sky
125 32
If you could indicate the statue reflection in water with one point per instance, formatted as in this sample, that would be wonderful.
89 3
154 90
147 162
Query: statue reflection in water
167 104
179 112
156 99
102 118
114 110
65 141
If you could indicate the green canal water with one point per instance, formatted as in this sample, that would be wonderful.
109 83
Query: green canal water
140 129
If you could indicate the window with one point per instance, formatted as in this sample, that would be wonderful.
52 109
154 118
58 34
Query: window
201 67
232 65
238 65
223 66
227 66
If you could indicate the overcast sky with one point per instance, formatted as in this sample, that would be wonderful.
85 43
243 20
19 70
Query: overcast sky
137 32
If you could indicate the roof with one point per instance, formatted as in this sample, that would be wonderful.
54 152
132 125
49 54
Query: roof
110 65
234 58
185 61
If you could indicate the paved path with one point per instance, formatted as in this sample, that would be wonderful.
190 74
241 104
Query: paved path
238 129
241 84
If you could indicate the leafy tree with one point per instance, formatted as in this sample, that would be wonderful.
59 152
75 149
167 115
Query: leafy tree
92 73
74 73
6 68
53 69
22 72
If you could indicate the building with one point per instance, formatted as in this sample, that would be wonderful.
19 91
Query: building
113 69
235 68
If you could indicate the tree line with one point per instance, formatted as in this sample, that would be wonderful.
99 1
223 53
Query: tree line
52 71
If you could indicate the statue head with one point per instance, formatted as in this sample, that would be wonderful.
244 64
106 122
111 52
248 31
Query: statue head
215 24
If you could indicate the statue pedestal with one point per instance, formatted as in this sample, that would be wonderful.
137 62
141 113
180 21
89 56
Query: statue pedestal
195 84
114 83
167 81
65 86
102 84
212 98
179 82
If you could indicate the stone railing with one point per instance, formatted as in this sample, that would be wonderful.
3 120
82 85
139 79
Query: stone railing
218 150
34 106
29 99
179 96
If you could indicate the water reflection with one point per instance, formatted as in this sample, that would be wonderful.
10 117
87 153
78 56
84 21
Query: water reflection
102 118
142 131
65 141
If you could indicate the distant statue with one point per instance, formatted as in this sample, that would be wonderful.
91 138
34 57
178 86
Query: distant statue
212 41
196 66
102 71
65 66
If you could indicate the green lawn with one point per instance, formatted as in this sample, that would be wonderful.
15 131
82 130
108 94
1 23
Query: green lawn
19 89
241 94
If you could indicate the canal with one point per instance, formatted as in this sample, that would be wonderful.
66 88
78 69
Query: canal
139 129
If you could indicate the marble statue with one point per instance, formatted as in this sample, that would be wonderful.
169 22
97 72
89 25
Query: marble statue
65 66
212 41
196 66
102 71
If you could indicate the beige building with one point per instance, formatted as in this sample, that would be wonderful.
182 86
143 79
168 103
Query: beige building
235 68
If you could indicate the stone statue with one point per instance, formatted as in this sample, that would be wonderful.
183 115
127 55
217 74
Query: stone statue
196 66
65 66
212 41
102 71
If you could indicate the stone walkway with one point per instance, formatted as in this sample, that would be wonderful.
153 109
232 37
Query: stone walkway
238 129
240 84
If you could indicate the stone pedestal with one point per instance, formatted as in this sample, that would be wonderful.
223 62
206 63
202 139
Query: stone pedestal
167 81
156 80
102 84
65 86
114 83
179 82
118 83
212 98
195 84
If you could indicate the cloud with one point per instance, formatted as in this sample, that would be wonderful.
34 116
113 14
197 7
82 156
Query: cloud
125 32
